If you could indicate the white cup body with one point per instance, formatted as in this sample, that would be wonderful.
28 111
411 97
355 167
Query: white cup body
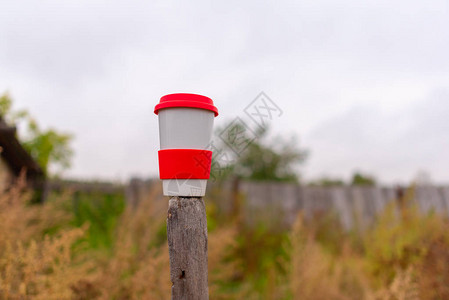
185 128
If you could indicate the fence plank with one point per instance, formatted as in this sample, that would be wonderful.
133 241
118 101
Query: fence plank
342 206
363 214
429 198
445 196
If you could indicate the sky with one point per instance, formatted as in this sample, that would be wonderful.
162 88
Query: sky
364 85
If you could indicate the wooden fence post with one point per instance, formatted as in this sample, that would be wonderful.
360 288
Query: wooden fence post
187 246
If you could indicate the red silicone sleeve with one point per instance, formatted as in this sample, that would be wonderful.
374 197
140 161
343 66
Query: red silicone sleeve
184 163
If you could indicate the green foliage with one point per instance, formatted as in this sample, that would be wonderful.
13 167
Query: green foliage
101 213
265 158
48 147
325 181
264 253
361 179
5 104
212 216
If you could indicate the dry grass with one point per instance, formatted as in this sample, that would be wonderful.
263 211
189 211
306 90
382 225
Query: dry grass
33 265
317 274
399 258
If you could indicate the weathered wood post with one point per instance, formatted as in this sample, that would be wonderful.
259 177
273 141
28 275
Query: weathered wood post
187 246
185 132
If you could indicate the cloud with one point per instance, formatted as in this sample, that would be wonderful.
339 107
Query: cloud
97 68
393 146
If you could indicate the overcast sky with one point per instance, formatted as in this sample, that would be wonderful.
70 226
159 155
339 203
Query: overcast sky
364 84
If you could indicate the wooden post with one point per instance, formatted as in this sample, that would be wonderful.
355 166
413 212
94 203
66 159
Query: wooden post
187 246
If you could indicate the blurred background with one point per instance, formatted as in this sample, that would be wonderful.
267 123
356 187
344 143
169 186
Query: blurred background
330 160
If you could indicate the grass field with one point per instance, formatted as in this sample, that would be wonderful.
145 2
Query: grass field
93 247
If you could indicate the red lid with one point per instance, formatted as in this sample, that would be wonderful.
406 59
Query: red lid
186 100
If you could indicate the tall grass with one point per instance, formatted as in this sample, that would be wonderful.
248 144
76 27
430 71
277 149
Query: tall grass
93 247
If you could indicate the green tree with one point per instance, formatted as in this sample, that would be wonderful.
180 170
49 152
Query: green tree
49 147
326 181
362 179
256 156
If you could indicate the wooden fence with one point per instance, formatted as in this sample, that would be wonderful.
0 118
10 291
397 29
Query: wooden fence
353 205
276 204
